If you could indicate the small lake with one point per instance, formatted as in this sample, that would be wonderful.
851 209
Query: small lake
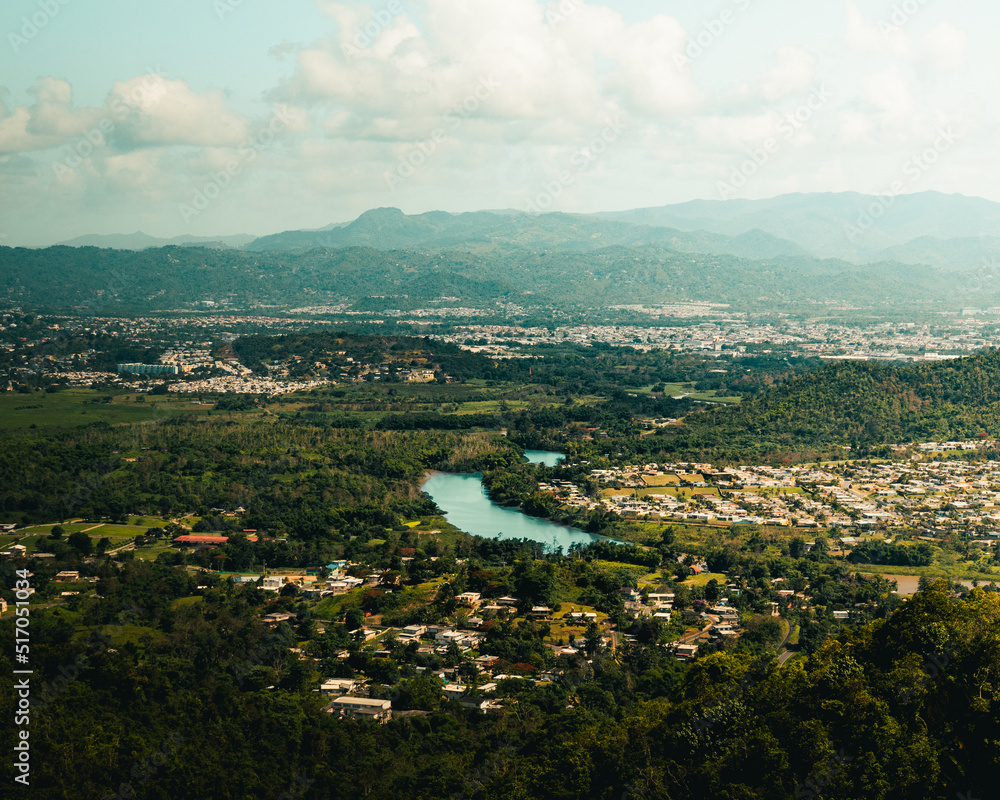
546 457
467 506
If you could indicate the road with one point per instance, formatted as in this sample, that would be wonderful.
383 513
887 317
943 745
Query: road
784 655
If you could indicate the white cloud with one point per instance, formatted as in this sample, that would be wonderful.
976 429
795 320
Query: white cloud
794 74
384 76
412 72
147 110
50 121
944 47
881 35
158 111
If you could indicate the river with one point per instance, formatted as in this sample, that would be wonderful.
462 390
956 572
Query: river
908 584
467 506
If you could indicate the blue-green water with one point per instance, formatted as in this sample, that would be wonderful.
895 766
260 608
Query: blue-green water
546 457
467 506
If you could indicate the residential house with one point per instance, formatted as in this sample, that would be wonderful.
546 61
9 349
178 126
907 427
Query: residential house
455 691
551 675
338 686
486 663
362 707
412 633
686 651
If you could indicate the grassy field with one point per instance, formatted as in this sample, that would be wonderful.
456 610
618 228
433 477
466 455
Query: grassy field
793 640
660 480
69 528
149 522
564 630
151 552
675 491
75 407
333 608
678 390
705 577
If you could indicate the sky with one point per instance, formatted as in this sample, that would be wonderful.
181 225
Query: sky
217 117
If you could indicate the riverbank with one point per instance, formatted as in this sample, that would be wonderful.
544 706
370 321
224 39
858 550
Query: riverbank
466 504
428 475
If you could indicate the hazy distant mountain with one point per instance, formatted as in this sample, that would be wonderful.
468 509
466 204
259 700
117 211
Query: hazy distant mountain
979 253
391 229
143 241
851 226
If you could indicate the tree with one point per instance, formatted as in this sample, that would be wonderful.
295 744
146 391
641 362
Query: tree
354 619
57 532
82 543
422 693
592 639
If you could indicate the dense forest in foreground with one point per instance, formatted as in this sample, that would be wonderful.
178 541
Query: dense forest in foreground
208 702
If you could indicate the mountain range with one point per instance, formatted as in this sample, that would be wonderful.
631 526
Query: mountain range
143 241
950 232
922 250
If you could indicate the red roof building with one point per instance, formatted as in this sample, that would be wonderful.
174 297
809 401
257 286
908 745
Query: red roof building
204 540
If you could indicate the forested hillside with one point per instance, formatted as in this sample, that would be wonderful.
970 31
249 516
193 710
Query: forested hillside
861 404
104 281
